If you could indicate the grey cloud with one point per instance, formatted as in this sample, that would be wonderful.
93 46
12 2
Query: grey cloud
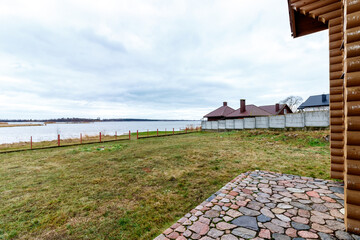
186 58
105 43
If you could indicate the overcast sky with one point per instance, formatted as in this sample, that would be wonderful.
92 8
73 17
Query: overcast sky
168 59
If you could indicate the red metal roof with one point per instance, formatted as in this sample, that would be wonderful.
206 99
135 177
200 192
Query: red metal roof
251 111
220 112
272 108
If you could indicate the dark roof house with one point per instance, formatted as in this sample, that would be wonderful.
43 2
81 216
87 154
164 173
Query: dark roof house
247 111
277 109
220 113
316 101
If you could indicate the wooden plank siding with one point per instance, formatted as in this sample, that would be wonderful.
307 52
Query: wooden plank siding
352 114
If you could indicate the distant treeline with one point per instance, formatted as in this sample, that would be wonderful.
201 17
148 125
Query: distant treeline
87 120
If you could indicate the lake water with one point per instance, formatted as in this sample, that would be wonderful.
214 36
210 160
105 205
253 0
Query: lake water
72 130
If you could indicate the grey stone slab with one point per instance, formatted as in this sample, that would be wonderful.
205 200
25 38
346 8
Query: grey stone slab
229 237
271 205
244 233
249 212
274 228
279 190
267 212
281 223
343 235
211 198
212 214
295 190
216 208
284 206
214 233
265 195
324 236
333 196
246 222
254 205
337 189
278 236
301 206
335 225
263 200
283 217
320 207
262 218
216 220
300 226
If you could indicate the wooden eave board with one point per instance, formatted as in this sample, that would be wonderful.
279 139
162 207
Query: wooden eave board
304 17
302 25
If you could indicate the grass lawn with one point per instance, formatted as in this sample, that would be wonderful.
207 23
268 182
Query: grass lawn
136 189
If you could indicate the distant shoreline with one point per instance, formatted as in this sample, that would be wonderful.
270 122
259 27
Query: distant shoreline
83 120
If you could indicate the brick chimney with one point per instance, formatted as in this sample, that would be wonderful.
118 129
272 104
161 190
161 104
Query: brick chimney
224 104
277 107
242 106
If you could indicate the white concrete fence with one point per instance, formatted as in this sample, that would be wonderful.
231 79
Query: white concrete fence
293 120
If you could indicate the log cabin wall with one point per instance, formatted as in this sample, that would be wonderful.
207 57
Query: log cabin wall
352 114
337 126
343 20
309 16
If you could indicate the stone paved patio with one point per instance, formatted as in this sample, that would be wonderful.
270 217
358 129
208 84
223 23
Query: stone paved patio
266 205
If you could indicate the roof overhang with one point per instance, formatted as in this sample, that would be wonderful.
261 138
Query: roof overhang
302 25
310 16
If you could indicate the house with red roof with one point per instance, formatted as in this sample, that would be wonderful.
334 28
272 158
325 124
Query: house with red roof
247 111
226 112
277 109
220 113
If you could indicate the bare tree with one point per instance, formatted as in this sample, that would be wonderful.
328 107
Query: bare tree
293 102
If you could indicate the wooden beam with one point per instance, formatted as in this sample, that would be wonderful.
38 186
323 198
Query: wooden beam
310 7
292 21
326 9
298 4
330 15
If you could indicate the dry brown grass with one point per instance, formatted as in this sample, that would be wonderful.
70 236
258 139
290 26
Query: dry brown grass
18 125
